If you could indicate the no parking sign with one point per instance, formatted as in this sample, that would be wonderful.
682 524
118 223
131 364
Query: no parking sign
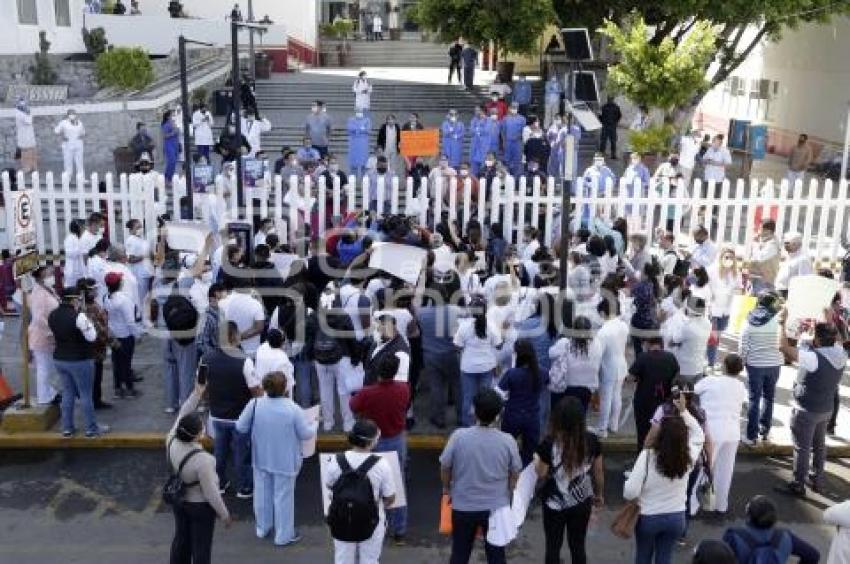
24 233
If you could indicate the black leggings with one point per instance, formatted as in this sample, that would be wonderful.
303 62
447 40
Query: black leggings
193 533
574 520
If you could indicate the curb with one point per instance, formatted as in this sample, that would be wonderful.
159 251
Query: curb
329 442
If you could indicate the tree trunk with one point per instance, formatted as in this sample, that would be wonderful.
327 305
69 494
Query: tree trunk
683 115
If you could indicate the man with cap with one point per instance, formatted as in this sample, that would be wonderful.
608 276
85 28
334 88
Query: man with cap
798 262
74 360
453 132
71 132
141 143
512 127
25 136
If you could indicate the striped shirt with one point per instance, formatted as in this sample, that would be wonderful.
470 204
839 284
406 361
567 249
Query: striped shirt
759 345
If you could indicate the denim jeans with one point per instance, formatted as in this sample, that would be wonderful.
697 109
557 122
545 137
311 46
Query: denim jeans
655 536
762 385
718 324
122 360
227 440
77 379
464 526
396 518
181 363
470 383
303 380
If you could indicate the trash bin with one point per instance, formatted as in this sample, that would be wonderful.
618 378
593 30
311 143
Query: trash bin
222 101
262 65
125 160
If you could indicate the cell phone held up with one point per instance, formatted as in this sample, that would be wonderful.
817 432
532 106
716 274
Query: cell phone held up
203 371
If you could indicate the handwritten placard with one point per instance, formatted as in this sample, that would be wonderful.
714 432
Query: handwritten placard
423 143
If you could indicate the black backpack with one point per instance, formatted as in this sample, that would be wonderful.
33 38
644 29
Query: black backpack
180 317
326 348
174 488
353 513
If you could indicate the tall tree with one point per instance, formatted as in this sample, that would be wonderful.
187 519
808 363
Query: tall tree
514 25
740 25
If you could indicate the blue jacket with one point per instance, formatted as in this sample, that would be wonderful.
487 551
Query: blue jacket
277 427
789 545
522 92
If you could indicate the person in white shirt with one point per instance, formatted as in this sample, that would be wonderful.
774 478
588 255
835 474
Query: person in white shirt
97 267
725 281
378 27
689 148
71 131
667 254
764 258
659 483
798 262
362 93
532 243
704 252
139 257
575 364
272 358
25 136
247 312
470 282
363 438
839 516
689 340
479 345
613 337
722 398
252 128
122 315
202 121
715 160
75 255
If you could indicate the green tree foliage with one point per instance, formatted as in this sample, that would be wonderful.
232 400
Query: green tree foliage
663 75
95 41
42 71
655 139
124 68
515 25
740 25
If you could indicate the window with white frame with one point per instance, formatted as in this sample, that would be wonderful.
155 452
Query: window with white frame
63 12
27 12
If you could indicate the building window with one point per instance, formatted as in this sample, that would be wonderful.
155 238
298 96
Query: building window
63 13
27 12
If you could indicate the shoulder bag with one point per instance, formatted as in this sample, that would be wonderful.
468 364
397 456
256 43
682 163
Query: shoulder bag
626 519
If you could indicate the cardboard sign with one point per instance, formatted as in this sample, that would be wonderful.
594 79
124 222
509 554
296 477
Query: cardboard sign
186 235
402 261
423 143
808 296
391 457
254 172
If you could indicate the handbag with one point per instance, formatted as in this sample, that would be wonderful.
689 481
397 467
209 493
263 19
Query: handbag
445 527
626 519
705 486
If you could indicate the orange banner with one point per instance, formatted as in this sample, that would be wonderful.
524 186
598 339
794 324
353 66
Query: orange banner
422 143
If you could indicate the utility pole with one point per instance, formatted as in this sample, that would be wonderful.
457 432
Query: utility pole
251 64
235 109
184 107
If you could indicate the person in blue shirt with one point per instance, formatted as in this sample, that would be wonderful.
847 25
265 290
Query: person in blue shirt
597 176
512 127
552 99
469 56
494 132
523 383
170 144
307 154
522 94
358 129
636 177
479 140
541 329
276 426
452 135
761 534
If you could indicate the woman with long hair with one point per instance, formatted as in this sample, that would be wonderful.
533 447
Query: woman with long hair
541 330
479 345
725 281
523 383
659 482
570 460
575 364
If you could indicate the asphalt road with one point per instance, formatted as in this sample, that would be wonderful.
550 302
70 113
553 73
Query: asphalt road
103 506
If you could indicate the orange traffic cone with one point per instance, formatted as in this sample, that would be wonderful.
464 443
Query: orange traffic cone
7 396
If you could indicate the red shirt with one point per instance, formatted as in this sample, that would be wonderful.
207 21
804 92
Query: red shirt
385 403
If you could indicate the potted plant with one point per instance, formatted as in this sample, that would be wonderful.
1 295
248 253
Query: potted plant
340 29
652 142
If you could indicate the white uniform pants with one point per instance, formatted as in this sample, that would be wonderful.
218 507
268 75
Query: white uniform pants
72 154
366 552
687 175
43 366
331 382
552 108
722 467
610 403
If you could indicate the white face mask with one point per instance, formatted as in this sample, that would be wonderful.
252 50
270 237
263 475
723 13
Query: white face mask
72 117
598 163
635 162
50 282
514 111
494 117
452 118
359 114
489 163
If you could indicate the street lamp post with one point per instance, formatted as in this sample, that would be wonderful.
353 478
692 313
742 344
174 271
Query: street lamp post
251 64
184 107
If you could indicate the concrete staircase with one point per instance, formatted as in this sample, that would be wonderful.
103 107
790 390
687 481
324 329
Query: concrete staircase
405 53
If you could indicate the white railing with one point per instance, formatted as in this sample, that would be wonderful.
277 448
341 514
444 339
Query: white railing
730 211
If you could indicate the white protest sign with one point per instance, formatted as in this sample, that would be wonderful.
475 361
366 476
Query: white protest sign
402 261
186 236
308 447
24 235
326 459
808 296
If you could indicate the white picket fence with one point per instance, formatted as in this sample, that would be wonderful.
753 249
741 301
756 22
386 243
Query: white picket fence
730 211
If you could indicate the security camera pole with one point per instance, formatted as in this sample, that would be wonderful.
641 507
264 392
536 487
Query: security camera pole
184 107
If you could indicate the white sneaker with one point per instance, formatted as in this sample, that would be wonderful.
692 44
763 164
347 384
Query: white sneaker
750 443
